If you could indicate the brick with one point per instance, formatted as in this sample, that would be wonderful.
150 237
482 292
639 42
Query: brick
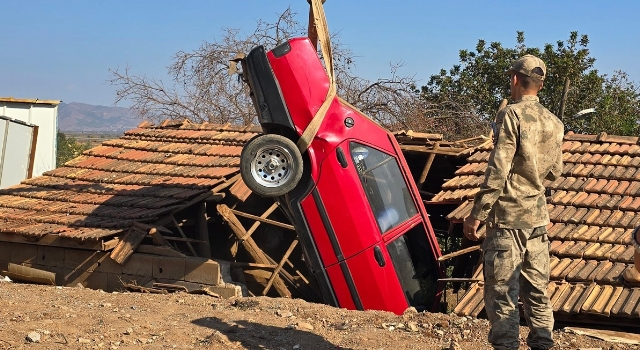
202 271
24 253
168 268
139 265
229 290
51 256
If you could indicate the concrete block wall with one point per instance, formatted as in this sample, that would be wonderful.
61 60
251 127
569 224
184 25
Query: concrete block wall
96 270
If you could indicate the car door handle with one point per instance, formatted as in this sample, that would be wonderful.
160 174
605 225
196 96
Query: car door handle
341 158
377 253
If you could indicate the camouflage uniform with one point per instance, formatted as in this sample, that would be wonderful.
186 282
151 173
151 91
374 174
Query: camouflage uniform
512 203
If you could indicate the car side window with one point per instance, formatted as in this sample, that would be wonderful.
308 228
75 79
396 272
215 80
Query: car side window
384 185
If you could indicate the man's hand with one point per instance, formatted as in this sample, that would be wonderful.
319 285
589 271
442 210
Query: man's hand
470 228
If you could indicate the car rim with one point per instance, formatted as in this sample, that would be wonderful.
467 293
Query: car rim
272 166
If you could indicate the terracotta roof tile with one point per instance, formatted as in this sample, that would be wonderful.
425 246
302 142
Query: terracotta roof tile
635 221
579 198
585 271
567 231
572 157
567 145
574 268
578 184
625 220
584 232
616 252
626 160
578 216
595 158
598 251
556 184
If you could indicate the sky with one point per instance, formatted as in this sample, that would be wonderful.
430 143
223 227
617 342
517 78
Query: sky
63 49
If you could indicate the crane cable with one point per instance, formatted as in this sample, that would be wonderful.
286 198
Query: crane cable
316 12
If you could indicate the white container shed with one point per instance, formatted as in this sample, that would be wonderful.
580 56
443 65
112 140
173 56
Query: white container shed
44 114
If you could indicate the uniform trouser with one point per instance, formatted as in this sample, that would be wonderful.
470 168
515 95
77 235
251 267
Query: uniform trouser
516 263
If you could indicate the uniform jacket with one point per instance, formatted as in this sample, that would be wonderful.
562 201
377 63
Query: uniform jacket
527 150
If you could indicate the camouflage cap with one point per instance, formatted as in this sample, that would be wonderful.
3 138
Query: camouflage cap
527 64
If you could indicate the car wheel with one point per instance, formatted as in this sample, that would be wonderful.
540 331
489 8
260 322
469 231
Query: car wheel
271 165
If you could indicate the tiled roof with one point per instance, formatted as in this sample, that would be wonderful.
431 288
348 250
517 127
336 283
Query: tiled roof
148 172
593 208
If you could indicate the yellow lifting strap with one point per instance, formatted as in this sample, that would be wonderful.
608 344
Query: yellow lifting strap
316 12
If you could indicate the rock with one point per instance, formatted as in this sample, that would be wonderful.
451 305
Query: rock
443 324
33 337
460 321
291 326
5 279
409 312
128 331
84 341
305 326
439 332
284 313
105 304
296 347
413 327
454 345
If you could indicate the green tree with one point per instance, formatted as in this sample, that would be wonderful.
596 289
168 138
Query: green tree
68 148
479 80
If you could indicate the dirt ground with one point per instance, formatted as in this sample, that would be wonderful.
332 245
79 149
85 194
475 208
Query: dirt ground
46 317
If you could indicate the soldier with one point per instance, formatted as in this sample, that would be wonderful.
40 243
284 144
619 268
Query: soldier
511 201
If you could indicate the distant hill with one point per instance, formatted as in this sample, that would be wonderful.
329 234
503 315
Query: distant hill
82 117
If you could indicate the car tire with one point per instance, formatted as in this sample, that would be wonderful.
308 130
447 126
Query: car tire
271 165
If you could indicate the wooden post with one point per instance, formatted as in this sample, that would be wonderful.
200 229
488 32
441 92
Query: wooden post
203 249
254 251
279 267
264 215
193 251
427 166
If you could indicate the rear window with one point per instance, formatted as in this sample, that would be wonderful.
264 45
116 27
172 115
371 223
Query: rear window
384 185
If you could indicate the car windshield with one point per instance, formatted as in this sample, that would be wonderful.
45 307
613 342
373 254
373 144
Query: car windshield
384 185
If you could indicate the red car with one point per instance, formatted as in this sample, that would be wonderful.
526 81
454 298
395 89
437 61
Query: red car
359 217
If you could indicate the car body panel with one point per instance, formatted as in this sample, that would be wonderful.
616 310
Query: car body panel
335 207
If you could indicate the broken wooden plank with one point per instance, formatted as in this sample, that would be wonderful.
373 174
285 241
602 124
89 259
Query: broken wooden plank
170 287
254 251
108 245
157 238
264 215
159 250
246 264
127 246
279 267
459 252
175 223
146 227
266 221
136 288
53 240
